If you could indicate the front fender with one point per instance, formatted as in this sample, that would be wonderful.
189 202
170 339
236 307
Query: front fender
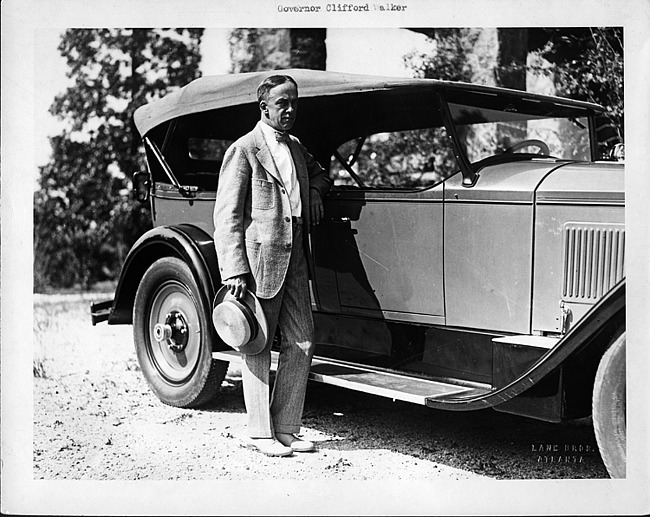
581 339
192 245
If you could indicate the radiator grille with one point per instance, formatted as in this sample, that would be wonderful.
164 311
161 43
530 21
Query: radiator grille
594 259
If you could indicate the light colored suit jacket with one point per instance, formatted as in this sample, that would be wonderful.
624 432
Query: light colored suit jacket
252 214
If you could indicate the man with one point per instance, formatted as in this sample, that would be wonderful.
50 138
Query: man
270 190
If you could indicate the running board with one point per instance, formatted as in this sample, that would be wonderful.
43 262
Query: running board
526 340
371 380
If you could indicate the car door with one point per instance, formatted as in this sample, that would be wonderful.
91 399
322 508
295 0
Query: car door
387 252
379 251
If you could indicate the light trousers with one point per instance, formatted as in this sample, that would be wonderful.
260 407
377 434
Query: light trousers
281 410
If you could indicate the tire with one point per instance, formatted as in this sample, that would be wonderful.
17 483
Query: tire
172 333
609 408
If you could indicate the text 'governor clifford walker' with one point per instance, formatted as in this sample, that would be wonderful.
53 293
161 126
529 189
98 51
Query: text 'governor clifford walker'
331 8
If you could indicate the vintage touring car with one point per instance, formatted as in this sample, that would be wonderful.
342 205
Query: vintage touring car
472 253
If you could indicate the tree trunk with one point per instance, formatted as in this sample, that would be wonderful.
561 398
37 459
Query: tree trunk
308 48
253 50
511 61
511 73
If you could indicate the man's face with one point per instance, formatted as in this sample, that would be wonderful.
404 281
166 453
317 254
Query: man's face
279 110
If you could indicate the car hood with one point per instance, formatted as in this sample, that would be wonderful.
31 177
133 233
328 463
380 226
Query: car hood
544 180
584 183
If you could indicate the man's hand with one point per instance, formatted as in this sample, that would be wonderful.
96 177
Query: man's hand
237 286
317 211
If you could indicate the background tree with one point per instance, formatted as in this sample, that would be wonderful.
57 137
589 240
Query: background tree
308 49
512 55
584 63
448 59
253 50
85 220
587 64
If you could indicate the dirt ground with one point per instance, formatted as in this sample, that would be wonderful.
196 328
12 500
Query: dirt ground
95 419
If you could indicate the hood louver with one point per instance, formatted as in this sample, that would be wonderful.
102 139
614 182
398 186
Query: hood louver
594 260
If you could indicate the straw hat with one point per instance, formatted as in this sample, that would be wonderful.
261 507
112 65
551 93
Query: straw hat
241 324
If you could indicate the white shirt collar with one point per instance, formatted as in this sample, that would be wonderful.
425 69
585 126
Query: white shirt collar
269 133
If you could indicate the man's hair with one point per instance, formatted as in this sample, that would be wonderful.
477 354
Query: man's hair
271 82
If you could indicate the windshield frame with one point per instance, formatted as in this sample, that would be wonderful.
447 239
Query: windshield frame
551 108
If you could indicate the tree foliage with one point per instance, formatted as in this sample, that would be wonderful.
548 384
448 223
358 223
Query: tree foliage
84 218
448 59
587 64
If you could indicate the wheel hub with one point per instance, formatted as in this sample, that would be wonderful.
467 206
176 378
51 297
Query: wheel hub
173 332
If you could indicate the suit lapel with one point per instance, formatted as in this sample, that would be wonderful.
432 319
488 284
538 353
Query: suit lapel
264 155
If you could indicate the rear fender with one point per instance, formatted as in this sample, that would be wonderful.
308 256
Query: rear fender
190 244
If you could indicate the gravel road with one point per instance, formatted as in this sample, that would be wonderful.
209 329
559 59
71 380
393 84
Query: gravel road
95 419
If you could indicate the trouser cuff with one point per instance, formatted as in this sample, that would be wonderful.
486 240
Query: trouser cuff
287 429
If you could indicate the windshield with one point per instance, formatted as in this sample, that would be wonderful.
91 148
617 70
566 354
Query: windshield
485 132
408 159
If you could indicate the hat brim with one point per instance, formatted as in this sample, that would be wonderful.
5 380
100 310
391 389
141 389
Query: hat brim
258 343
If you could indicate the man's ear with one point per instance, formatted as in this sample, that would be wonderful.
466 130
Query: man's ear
263 107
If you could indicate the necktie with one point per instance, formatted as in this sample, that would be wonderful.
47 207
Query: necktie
282 137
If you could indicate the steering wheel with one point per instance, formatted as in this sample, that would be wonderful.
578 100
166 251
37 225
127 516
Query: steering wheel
543 148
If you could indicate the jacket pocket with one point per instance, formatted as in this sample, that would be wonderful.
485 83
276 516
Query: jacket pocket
262 194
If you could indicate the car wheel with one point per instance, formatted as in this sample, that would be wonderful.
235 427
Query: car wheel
609 408
172 336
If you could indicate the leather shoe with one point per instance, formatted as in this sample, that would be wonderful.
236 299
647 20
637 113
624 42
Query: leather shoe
295 443
269 446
